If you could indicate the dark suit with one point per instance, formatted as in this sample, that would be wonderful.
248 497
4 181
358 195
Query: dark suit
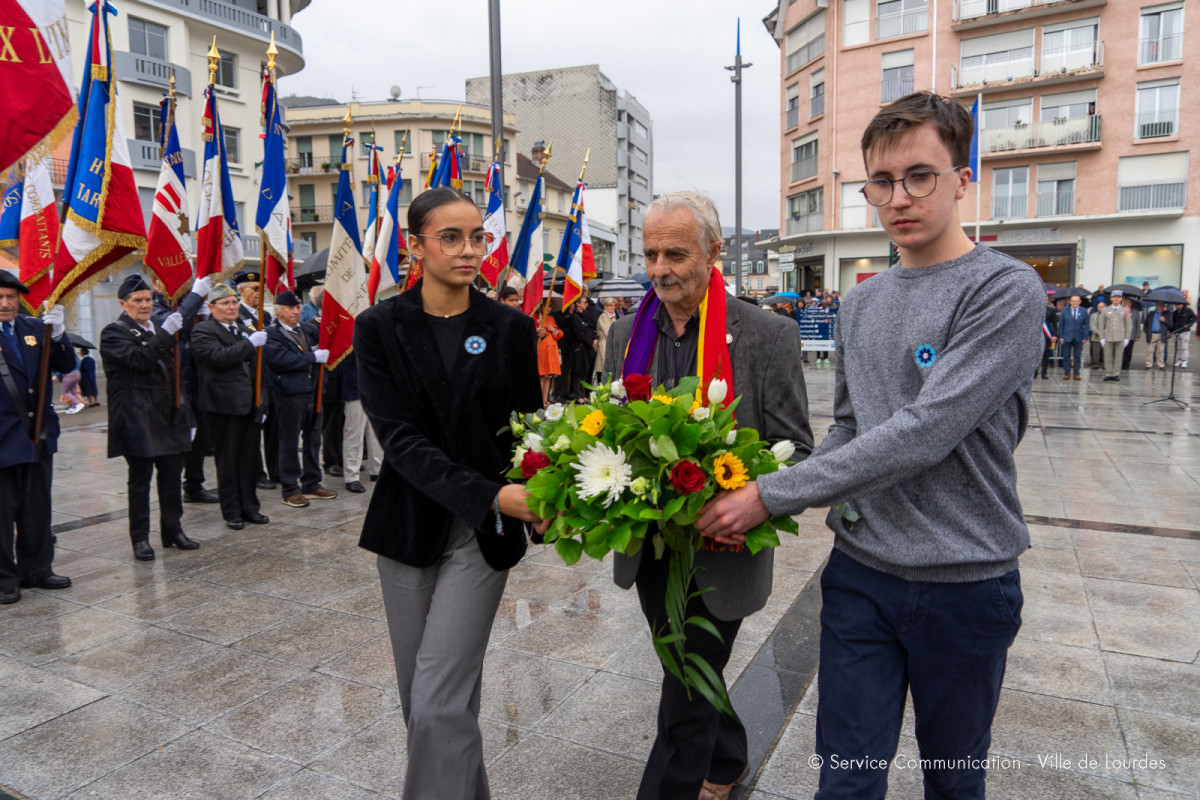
1074 328
694 741
193 460
1048 348
268 458
225 379
25 470
292 377
143 424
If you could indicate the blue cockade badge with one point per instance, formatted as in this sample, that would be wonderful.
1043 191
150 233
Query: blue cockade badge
475 345
925 355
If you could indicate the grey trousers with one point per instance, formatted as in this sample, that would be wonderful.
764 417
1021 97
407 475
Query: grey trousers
439 618
1113 351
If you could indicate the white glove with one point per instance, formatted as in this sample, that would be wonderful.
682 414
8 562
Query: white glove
54 318
202 312
1103 343
257 338
191 434
1126 343
201 286
173 323
322 356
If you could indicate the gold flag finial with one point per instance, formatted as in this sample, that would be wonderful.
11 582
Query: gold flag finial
545 156
403 145
346 119
272 51
171 84
214 58
457 124
586 156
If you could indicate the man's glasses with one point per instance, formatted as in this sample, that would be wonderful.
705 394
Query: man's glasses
918 183
452 242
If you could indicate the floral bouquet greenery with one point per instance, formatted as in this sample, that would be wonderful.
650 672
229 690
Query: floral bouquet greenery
634 466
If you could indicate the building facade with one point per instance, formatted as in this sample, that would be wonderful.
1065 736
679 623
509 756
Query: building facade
1085 133
581 109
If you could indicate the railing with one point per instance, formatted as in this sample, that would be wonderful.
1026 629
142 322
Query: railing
806 53
971 9
1051 133
1025 62
151 71
816 105
804 168
1152 196
1153 124
805 223
312 214
1013 206
306 164
1155 49
237 18
145 155
896 88
793 117
58 170
901 23
1055 204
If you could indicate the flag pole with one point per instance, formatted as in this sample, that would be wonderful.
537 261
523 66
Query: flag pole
262 283
557 266
161 152
979 164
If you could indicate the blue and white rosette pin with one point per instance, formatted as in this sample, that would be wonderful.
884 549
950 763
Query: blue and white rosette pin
925 355
475 345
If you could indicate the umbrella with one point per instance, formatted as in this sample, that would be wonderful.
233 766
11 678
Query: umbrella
1073 291
1165 294
1051 288
312 269
789 295
782 297
617 287
1127 289
79 341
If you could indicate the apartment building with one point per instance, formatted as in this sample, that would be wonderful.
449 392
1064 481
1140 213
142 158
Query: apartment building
1085 135
761 267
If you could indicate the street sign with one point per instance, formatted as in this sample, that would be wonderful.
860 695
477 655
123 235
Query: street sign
816 329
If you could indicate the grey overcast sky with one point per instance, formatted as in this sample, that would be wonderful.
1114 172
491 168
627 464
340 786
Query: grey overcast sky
670 55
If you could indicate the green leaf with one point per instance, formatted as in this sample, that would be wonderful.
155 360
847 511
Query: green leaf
649 513
659 545
760 536
660 427
618 538
705 625
687 438
666 448
673 506
693 679
568 550
785 524
686 385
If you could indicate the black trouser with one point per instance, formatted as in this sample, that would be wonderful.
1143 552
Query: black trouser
297 422
333 418
193 460
270 443
235 450
1127 356
695 741
25 511
170 501
1047 351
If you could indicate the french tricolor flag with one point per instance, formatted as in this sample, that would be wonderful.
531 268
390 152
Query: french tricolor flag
390 249
218 240
169 244
493 222
527 252
29 229
345 279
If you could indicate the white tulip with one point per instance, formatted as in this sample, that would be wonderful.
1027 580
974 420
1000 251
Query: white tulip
534 442
654 448
731 437
717 390
554 412
783 451
700 413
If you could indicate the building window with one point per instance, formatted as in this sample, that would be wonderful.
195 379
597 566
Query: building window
311 238
1056 189
901 17
335 149
856 212
406 192
147 38
806 41
816 94
856 22
1161 264
227 71
366 194
1152 182
366 140
1157 109
1010 193
805 211
308 196
792 115
897 78
147 127
997 58
405 141
1069 105
804 158
233 137
1161 37
1070 45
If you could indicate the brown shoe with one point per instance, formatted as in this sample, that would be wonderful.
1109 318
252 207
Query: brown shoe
321 493
715 791
295 501
1066 377
1078 378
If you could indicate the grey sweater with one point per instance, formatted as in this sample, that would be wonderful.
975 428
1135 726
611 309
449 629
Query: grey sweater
934 370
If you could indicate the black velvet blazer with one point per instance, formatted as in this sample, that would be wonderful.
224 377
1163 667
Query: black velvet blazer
442 457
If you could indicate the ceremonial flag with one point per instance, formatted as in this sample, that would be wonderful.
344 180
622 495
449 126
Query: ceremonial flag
585 243
391 176
273 217
570 254
103 225
493 222
35 80
169 245
345 278
527 252
29 229
448 172
973 160
375 200
433 165
218 240
390 250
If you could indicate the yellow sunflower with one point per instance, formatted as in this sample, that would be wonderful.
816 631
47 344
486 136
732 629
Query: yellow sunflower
593 423
666 399
729 471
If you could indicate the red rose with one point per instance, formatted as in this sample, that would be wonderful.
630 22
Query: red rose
638 387
531 462
687 477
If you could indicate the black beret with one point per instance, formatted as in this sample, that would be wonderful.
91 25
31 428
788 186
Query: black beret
286 298
132 283
9 281
246 277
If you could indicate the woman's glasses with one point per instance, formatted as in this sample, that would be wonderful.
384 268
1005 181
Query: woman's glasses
453 242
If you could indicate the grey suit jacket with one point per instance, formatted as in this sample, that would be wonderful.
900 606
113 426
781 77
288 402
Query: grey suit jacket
766 374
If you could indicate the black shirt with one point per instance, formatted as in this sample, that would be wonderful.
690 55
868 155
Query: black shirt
448 332
676 355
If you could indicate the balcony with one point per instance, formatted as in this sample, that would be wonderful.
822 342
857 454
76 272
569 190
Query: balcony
1152 197
146 156
808 52
816 105
978 13
240 20
1156 124
902 23
805 223
304 216
1158 49
793 118
1007 70
1082 133
150 71
896 88
1055 204
1013 206
804 168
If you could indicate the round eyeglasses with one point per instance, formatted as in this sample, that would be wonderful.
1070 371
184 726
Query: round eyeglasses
918 183
453 242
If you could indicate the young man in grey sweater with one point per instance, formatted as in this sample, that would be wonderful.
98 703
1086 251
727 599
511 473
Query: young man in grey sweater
921 590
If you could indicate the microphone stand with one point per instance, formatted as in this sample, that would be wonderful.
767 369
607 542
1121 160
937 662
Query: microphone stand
1174 363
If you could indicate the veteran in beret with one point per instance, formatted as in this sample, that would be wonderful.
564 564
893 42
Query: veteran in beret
249 288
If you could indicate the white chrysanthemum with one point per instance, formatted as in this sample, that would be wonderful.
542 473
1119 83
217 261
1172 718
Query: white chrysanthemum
534 442
554 412
700 413
602 471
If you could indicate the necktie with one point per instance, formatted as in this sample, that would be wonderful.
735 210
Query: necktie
298 335
13 347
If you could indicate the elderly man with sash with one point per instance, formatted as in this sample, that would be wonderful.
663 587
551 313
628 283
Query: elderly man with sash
687 327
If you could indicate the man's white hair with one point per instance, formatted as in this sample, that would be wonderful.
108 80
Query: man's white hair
702 208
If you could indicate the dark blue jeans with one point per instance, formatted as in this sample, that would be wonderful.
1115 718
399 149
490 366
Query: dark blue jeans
1072 355
882 636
